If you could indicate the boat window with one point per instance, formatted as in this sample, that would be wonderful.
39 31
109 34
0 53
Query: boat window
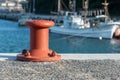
101 19
70 14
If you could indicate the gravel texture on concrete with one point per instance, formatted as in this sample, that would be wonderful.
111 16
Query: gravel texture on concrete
61 70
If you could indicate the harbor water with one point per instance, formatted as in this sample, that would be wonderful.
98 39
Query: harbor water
13 39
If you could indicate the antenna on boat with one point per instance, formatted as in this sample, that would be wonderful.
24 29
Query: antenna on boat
105 4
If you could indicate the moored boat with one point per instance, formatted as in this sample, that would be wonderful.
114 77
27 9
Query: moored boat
75 26
100 26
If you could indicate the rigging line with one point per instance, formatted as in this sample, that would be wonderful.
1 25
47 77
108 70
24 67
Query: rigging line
64 5
62 38
73 41
76 41
66 38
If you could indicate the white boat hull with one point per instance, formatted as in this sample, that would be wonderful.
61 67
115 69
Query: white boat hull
96 32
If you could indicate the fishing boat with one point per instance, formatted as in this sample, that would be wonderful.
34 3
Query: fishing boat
100 26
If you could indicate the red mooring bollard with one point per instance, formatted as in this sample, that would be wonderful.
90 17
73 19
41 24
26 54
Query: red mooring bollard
39 43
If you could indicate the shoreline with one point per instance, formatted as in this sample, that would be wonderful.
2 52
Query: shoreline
16 16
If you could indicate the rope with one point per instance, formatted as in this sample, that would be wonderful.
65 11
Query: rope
67 38
64 5
62 38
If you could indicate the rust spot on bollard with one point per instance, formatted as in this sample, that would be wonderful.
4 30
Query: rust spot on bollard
39 43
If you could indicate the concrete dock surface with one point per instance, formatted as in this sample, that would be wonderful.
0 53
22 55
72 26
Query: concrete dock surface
71 67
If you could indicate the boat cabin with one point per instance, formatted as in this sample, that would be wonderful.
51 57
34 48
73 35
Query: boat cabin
72 20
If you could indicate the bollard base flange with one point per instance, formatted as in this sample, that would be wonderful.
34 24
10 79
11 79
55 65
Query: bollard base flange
21 57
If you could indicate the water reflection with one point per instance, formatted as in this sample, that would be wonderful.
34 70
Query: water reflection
115 41
115 45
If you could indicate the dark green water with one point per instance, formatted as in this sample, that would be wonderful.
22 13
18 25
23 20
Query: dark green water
13 39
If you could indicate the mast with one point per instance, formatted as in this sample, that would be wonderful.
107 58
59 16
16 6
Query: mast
85 7
59 6
33 6
30 2
72 5
105 4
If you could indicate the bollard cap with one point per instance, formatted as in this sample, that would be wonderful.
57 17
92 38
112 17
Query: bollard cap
40 23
